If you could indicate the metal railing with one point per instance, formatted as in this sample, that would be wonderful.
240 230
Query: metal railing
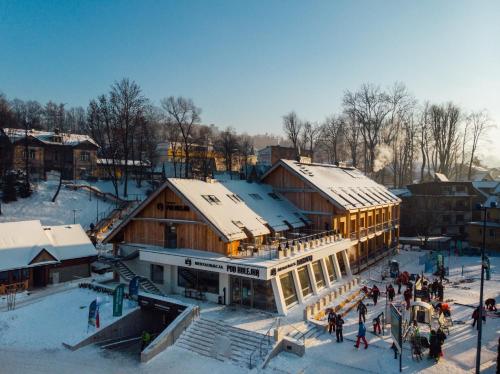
259 348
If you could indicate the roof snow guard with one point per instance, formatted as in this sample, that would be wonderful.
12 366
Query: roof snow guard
22 242
345 187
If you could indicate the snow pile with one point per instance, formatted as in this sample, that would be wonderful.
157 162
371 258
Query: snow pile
55 319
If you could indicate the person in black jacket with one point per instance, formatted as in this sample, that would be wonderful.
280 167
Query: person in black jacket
339 325
362 311
331 321
375 294
391 292
435 346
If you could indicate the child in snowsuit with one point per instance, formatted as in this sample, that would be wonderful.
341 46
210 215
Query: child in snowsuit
339 325
362 311
361 335
331 321
375 294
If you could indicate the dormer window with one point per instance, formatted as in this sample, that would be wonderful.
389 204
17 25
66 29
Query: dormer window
57 139
211 199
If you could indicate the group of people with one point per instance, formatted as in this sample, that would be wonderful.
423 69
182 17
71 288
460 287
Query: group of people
336 324
436 341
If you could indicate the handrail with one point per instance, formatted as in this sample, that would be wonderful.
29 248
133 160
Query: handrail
266 335
302 333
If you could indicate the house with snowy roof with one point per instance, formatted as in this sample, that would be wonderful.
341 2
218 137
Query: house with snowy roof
32 255
74 155
270 245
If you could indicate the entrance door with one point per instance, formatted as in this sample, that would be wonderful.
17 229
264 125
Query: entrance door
241 291
170 236
39 277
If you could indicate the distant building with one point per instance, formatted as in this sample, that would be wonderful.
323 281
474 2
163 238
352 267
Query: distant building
72 154
271 154
107 167
438 208
476 227
32 255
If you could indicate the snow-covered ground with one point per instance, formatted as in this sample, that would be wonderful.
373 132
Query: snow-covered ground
70 205
31 337
60 317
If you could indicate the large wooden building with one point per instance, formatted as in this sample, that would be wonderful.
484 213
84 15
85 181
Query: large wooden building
74 155
32 255
267 245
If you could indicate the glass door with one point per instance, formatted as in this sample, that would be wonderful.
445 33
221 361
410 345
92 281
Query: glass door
246 292
235 290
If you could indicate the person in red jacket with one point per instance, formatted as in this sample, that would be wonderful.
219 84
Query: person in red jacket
375 294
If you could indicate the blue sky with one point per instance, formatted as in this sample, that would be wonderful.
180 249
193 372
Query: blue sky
248 63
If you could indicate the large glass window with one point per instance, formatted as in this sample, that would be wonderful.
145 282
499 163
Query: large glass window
157 273
288 287
305 282
318 274
340 259
330 267
4 277
206 281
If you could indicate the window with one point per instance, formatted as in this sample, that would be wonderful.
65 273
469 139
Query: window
459 218
330 268
492 233
234 198
274 196
211 199
446 218
318 274
156 273
4 277
342 267
31 154
305 282
201 280
239 224
84 156
255 196
288 287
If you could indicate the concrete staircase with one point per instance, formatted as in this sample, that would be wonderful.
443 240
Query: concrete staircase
224 342
127 274
302 331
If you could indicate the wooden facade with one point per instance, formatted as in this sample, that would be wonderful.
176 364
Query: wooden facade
376 228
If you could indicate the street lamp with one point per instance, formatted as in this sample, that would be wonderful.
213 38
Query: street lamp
484 209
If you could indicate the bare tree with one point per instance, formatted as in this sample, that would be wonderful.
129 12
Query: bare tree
479 123
331 135
183 113
352 134
246 149
227 144
292 127
310 135
127 107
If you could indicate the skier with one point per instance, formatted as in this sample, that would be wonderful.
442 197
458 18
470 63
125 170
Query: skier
331 321
339 325
362 311
375 294
376 325
361 335
407 295
391 292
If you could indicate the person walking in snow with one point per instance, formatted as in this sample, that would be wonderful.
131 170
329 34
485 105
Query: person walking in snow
475 317
375 294
399 282
376 325
362 310
435 346
331 321
407 295
361 335
339 326
440 291
434 288
391 293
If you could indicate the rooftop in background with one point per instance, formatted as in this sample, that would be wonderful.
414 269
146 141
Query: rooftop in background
50 137
21 242
346 187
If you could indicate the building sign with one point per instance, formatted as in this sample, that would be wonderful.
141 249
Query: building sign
229 268
300 261
243 270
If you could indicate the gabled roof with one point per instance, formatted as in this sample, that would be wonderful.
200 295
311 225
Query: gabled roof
21 243
275 208
47 137
217 206
346 187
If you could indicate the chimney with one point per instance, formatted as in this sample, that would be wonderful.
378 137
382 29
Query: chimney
56 131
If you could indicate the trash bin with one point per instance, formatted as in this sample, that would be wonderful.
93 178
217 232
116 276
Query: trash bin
220 300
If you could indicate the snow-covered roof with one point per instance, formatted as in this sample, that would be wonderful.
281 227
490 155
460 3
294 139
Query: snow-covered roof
440 177
21 242
48 137
400 192
345 187
275 208
221 207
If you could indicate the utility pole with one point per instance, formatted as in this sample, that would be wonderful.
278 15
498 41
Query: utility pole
484 209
